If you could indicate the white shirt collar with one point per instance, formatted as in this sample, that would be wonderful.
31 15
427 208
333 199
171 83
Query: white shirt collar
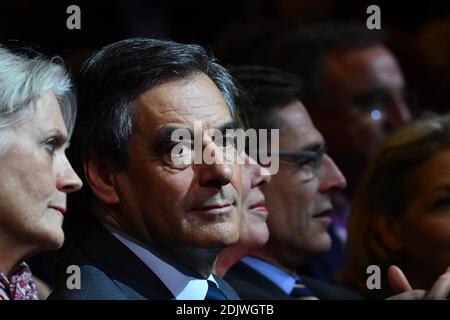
182 287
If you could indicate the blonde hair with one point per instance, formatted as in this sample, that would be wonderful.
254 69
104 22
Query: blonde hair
386 189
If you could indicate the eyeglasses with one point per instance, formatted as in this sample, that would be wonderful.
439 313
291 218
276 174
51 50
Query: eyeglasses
306 163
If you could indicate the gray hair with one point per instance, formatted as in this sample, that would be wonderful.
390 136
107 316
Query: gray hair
110 81
24 80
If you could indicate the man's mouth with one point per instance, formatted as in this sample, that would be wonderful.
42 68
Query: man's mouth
214 209
323 216
324 213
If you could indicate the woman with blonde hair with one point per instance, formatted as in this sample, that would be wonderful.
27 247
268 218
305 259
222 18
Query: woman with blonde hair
401 211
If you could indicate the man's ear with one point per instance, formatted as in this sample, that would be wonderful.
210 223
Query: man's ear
100 176
388 229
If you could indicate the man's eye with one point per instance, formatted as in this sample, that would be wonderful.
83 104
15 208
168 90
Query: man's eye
376 114
181 154
180 149
224 141
301 163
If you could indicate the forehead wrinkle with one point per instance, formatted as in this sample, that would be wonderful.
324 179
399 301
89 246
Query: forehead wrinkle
161 103
181 103
189 89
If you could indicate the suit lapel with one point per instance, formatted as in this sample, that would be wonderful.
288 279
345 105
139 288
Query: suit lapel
250 284
121 264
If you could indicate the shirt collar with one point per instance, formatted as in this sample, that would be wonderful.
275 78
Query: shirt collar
279 277
182 286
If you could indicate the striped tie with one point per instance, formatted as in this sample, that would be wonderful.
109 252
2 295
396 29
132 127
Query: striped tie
301 292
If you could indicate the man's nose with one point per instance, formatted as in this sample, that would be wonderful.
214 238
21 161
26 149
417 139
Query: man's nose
331 177
215 171
398 114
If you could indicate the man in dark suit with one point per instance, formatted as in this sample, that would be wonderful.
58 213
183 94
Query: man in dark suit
356 95
111 271
298 199
298 196
160 218
254 285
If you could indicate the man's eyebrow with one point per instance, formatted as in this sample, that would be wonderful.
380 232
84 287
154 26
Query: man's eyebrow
315 146
164 136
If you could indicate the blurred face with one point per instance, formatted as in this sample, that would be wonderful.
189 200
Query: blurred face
299 209
167 203
253 230
425 225
36 178
364 93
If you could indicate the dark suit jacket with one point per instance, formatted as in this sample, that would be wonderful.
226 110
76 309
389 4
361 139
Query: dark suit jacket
111 271
252 285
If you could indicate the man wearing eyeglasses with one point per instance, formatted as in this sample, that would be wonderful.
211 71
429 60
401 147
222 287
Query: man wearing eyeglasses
356 94
353 87
298 196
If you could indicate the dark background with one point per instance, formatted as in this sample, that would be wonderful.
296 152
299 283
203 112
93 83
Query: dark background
419 31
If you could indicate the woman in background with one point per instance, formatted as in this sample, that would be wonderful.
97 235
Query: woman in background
401 212
253 232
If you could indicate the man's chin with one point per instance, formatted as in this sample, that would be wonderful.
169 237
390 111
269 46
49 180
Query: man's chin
217 241
220 242
322 244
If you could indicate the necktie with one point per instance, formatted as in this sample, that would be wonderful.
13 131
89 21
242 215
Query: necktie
301 292
214 293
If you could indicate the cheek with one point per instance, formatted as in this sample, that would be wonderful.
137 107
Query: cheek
366 127
174 189
40 181
434 232
428 242
163 201
258 234
30 175
426 236
26 188
305 194
274 193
